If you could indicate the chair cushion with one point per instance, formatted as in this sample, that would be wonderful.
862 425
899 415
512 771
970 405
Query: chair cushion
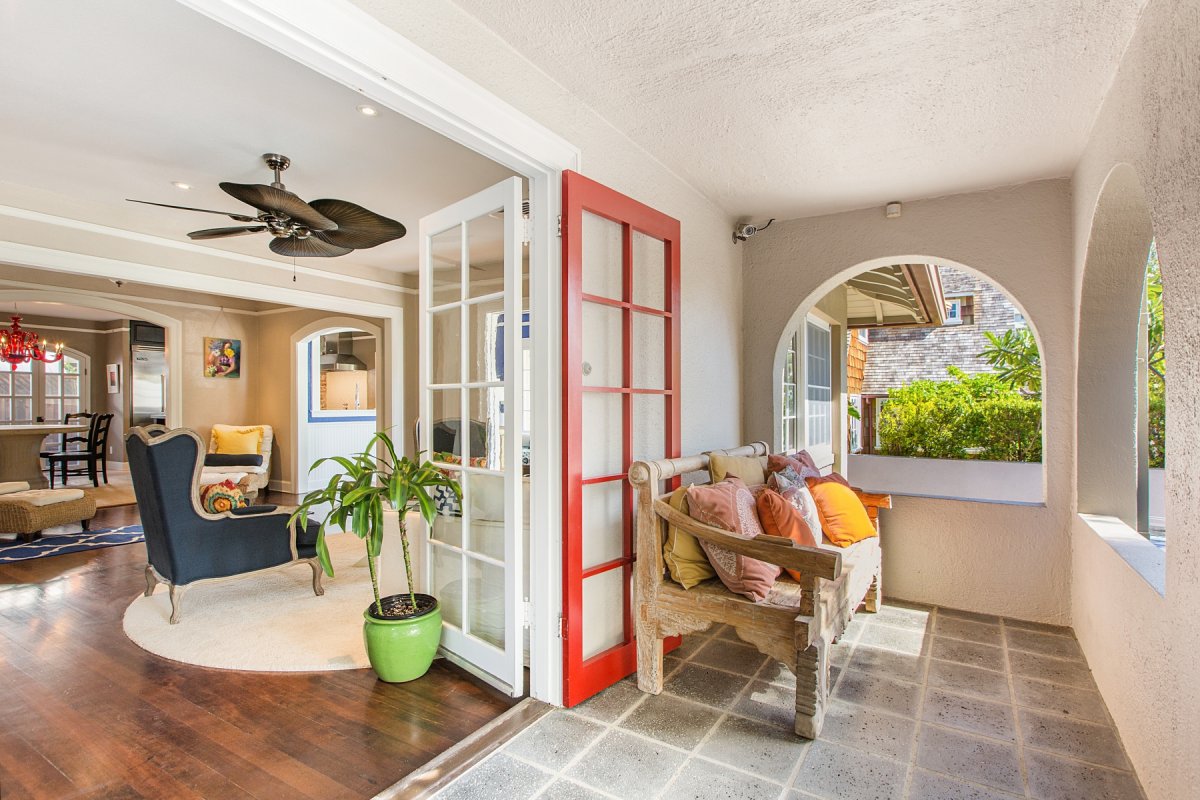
237 440
233 460
44 497
8 487
685 559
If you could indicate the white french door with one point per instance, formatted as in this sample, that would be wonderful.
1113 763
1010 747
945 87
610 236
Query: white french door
471 281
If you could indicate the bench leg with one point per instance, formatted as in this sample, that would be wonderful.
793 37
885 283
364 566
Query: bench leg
874 598
649 658
812 689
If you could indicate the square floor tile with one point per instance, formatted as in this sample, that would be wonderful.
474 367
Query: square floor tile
913 619
626 766
875 691
611 703
889 663
730 656
554 740
1040 627
690 644
830 770
700 780
770 703
1086 741
726 632
766 750
672 720
497 778
970 653
927 785
965 629
971 714
1081 704
705 685
873 731
899 639
962 679
1053 778
1054 670
563 789
1046 644
970 616
775 672
970 758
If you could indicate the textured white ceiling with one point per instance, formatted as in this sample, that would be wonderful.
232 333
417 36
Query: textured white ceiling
788 109
104 101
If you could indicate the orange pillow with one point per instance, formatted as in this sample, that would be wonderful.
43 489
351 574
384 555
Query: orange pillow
843 517
780 518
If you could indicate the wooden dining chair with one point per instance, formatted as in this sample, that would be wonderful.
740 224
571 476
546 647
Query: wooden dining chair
94 455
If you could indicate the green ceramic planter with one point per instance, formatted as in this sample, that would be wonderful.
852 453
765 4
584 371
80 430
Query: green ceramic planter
402 649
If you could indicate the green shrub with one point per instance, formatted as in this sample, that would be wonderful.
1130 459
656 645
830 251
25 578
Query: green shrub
1158 428
970 416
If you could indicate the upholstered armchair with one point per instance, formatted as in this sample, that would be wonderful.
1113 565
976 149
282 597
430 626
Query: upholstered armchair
185 544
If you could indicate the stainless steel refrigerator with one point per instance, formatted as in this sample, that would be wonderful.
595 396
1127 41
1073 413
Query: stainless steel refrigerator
149 381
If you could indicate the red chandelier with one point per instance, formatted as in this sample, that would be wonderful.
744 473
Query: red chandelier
19 346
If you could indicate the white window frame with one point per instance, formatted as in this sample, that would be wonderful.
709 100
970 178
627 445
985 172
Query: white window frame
821 451
954 311
85 383
790 411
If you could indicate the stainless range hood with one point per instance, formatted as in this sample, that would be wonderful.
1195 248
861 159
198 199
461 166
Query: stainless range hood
338 354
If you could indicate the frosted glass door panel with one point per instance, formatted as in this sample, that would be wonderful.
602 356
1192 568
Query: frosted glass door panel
447 266
603 523
445 329
649 355
603 426
603 612
649 271
602 346
649 427
601 257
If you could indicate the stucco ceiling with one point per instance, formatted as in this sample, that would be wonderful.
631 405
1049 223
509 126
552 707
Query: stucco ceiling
114 100
782 108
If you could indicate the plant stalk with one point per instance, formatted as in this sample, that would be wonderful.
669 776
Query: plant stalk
375 581
412 595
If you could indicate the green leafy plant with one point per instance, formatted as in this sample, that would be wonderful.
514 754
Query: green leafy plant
1014 357
357 496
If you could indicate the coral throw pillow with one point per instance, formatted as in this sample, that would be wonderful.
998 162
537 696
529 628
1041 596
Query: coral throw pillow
801 463
796 493
217 498
780 518
843 518
833 476
685 558
729 505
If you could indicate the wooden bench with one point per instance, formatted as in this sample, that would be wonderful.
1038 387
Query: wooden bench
795 624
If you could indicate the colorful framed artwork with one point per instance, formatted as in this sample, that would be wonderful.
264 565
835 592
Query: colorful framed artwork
113 374
222 358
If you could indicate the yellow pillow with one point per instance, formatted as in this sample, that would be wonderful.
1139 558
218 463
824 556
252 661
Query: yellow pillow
685 560
843 518
751 470
238 441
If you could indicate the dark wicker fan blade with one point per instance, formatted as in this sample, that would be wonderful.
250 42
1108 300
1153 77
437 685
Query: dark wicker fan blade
293 246
280 202
238 217
220 233
356 226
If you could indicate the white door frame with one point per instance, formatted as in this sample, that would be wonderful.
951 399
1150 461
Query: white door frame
343 42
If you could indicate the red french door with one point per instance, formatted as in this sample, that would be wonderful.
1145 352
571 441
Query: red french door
620 405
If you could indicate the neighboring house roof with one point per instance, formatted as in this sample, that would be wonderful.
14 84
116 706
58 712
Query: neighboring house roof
898 294
898 356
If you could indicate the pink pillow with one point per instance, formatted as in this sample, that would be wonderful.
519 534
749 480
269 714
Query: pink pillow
729 505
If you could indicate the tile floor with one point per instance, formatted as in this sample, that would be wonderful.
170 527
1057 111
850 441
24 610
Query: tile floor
927 704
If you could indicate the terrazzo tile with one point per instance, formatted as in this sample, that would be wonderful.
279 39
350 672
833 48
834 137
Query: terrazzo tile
691 644
500 777
626 766
889 663
1082 704
970 616
766 750
611 703
1085 741
1054 670
970 758
730 656
777 673
969 653
563 789
878 692
554 740
701 780
895 616
726 632
1046 644
970 714
705 685
769 703
672 720
1040 627
1053 778
927 785
962 679
872 731
965 629
830 770
898 639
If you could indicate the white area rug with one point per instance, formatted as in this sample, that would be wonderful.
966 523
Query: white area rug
264 623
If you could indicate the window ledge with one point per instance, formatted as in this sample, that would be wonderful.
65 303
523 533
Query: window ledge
1147 560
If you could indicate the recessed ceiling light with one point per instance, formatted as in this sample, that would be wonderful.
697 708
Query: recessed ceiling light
368 111
181 185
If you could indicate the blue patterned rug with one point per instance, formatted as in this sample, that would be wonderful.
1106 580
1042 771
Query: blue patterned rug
57 544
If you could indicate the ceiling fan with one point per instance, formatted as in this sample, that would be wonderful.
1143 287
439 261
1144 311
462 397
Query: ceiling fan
323 228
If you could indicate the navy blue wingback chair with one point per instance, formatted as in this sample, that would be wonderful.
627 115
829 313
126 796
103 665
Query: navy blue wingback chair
187 545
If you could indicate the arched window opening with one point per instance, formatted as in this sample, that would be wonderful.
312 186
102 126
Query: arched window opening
1152 405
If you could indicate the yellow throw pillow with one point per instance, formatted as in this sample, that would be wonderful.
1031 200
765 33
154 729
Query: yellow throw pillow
750 469
238 440
843 518
685 560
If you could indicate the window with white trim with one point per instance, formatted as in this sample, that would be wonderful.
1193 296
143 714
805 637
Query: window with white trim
818 385
789 402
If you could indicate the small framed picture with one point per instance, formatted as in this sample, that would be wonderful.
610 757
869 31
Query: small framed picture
222 358
113 371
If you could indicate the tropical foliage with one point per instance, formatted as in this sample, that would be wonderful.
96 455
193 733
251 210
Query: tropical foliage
1014 357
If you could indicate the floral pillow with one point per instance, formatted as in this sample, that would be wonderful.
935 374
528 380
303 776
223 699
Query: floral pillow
217 498
729 505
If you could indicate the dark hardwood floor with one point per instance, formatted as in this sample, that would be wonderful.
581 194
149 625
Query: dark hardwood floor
85 713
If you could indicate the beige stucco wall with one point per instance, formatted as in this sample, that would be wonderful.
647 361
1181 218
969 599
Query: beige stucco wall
1002 559
1143 648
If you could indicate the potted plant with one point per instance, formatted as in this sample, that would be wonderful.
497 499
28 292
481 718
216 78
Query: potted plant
401 631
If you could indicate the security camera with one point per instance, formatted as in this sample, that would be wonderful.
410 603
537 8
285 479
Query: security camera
744 230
